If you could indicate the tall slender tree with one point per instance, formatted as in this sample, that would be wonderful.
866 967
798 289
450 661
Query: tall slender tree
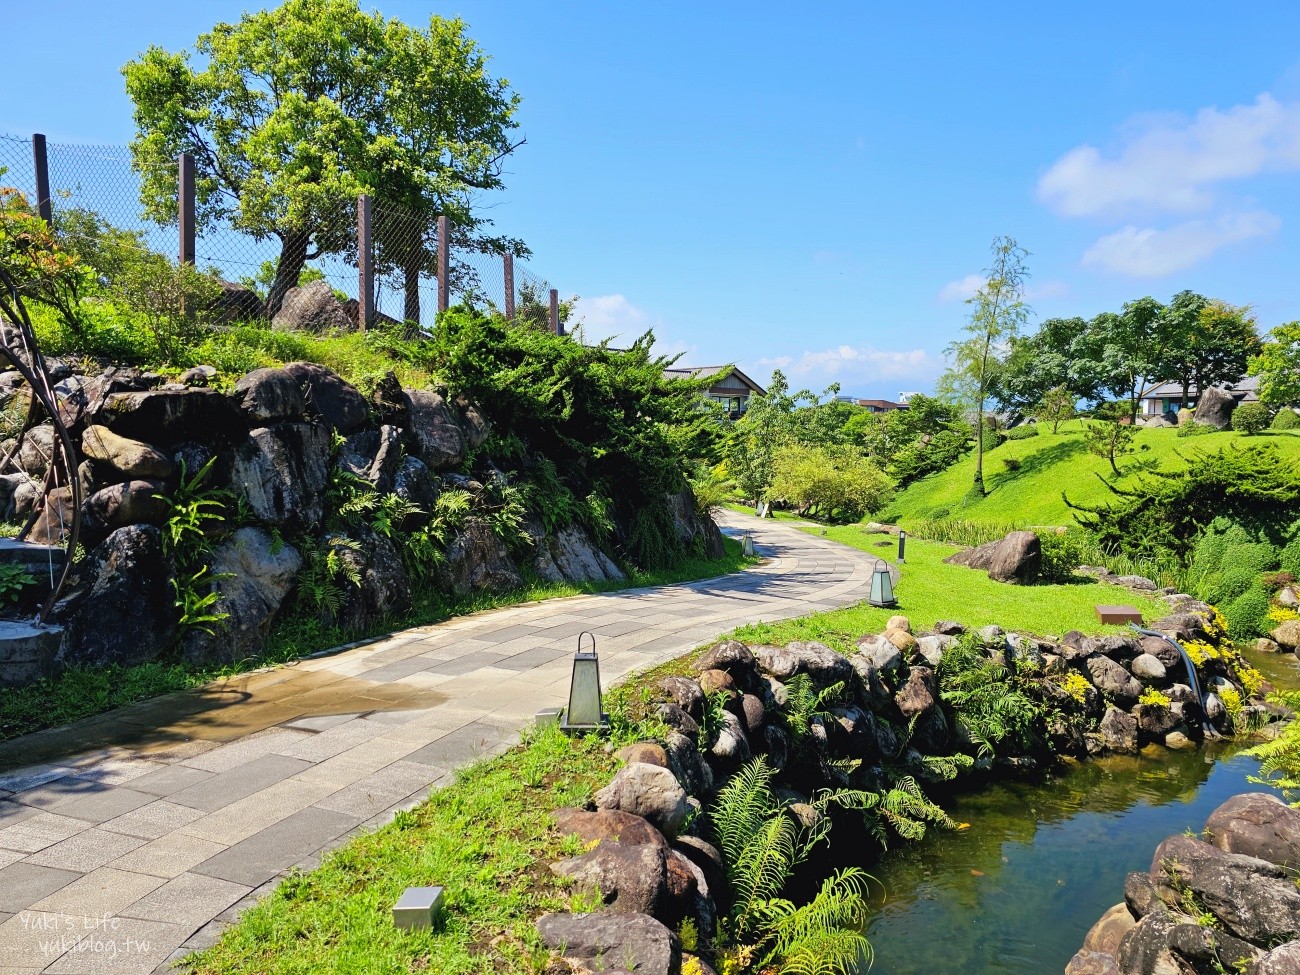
998 311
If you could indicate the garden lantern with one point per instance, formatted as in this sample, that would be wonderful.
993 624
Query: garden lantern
882 586
584 711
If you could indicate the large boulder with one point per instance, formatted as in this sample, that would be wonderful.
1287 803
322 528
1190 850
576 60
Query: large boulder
695 531
312 307
128 458
636 941
648 791
1287 634
374 456
731 656
1145 949
918 695
574 557
476 559
1119 731
236 303
330 397
123 610
979 557
415 484
1255 900
252 572
823 665
607 824
626 878
436 436
1282 960
282 472
118 505
1109 931
1017 559
268 396
685 693
1112 679
173 416
1257 825
383 589
1214 408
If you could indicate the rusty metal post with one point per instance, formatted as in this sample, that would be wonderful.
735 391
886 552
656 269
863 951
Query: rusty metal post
556 327
444 254
365 265
185 207
510 286
41 164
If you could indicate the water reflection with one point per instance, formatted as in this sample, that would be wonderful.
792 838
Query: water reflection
1017 891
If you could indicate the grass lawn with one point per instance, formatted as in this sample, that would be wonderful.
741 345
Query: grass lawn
84 691
929 590
487 839
1054 463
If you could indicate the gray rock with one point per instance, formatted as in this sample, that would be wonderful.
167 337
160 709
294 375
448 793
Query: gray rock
373 456
627 878
168 417
1145 948
282 472
1017 559
198 376
235 303
473 423
730 655
979 557
1087 962
1215 712
123 611
414 483
1288 598
635 940
1119 731
1162 650
695 531
1257 825
949 628
1287 635
753 714
436 436
729 741
880 653
1138 583
933 647
576 558
648 791
330 397
1255 900
1282 960
1109 931
992 635
253 574
384 592
118 505
312 307
822 664
269 396
130 458
1214 408
1141 895
1148 669
676 718
918 695
1112 679
685 693
687 765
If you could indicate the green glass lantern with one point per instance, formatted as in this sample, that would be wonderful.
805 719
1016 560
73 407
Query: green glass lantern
584 712
882 586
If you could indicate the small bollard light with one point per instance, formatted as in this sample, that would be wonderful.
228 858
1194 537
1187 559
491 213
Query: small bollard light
882 586
547 717
902 544
584 711
418 908
747 545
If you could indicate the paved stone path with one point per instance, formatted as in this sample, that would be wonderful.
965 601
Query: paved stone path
155 827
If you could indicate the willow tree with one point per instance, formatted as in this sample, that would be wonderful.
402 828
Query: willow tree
293 112
997 313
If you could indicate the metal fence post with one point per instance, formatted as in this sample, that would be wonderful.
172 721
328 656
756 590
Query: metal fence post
41 165
365 265
444 253
556 327
185 207
510 286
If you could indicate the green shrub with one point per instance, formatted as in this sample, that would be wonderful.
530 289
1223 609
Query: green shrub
1289 559
1193 429
918 459
1012 464
1250 418
1023 432
993 438
829 483
1063 553
1286 419
1247 615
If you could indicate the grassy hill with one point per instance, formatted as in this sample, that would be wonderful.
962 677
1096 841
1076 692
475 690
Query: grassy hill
1050 464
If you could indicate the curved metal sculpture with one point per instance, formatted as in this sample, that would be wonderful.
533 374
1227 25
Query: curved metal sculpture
18 344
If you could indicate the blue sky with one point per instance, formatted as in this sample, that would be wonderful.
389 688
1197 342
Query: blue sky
813 189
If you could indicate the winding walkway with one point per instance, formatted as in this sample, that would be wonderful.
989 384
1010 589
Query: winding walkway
133 838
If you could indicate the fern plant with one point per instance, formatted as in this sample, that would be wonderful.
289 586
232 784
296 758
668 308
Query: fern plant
902 808
804 702
194 511
762 845
325 572
1280 758
990 701
13 580
194 600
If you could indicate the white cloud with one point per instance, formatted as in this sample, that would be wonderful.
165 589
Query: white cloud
960 289
1171 164
1046 290
1149 252
610 316
847 364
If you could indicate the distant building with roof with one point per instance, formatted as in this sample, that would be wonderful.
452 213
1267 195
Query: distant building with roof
731 392
1164 398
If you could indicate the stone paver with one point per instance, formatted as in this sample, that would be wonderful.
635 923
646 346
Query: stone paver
123 857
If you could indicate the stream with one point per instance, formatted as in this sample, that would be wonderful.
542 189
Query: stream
1040 862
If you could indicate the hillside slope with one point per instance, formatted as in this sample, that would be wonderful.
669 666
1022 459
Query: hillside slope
1054 463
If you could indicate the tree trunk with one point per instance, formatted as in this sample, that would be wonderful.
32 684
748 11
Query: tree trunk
1187 388
411 289
979 448
293 255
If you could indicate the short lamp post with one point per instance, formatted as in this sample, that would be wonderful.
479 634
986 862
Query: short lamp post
902 544
882 586
584 712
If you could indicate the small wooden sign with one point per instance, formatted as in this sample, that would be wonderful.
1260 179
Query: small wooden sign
1118 615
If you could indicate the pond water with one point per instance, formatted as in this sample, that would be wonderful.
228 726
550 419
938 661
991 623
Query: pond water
1017 890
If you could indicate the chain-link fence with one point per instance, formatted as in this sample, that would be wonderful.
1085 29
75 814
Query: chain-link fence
97 194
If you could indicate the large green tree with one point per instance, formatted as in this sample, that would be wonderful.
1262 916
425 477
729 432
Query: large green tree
1121 352
292 112
1207 342
997 313
1277 365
